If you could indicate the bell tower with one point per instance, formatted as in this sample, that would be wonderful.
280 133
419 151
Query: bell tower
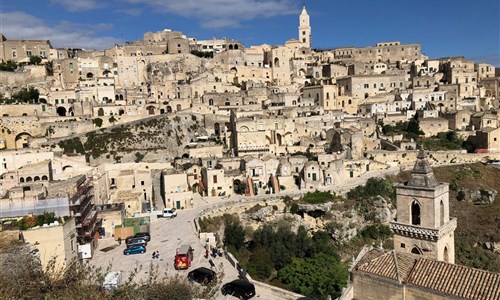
423 224
304 28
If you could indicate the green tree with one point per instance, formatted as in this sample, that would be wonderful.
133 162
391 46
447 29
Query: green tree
9 66
234 234
35 60
316 277
260 264
97 122
26 95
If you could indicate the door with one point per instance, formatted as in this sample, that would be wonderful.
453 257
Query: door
178 204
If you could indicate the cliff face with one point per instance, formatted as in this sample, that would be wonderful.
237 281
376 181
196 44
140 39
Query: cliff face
155 139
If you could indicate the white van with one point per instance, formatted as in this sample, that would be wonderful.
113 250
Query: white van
112 280
169 213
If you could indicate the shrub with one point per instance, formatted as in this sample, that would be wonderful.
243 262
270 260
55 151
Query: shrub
97 122
294 209
461 195
318 197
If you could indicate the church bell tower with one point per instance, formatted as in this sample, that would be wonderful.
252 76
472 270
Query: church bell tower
304 28
423 224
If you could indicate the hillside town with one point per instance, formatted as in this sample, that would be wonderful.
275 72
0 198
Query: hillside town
105 144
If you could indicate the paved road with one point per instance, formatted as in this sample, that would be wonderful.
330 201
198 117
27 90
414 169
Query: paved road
169 234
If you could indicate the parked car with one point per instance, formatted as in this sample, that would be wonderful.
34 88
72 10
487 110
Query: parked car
239 288
130 241
169 213
183 257
203 275
143 235
135 249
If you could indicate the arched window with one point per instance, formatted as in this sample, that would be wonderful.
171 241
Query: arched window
276 62
29 179
415 213
211 102
44 177
37 178
445 254
21 179
415 250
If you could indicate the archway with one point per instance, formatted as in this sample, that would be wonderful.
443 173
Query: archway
415 250
415 213
151 110
162 111
61 111
90 75
211 102
71 111
22 140
217 129
276 62
44 177
169 109
21 180
29 179
100 112
36 178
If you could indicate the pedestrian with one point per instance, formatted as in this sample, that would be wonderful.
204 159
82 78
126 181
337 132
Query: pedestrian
119 241
153 255
157 254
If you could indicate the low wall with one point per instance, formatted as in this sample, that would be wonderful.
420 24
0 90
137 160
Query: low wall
435 158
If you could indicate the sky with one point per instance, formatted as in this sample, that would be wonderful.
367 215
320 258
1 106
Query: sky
443 27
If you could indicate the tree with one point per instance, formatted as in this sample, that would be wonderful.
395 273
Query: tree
35 60
316 277
26 95
97 122
9 66
234 234
260 264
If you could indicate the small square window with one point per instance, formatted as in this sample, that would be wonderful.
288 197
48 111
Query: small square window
403 245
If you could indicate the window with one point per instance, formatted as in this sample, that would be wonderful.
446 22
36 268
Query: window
14 53
415 213
42 54
142 182
366 86
29 53
403 245
215 178
374 85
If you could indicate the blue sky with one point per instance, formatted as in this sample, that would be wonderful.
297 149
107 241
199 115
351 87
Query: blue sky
443 27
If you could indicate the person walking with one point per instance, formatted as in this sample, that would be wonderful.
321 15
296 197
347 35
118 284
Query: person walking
157 254
153 255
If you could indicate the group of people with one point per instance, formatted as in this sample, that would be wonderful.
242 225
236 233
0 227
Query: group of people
155 255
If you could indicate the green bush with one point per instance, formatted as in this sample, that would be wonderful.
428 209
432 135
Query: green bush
461 195
294 209
318 197
97 122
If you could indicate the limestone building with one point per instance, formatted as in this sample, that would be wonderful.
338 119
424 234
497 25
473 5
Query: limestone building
423 224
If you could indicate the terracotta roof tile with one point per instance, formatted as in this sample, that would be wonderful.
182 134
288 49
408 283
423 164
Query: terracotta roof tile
437 276
455 280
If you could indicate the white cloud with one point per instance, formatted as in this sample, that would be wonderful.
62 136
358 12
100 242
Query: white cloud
223 13
20 25
78 5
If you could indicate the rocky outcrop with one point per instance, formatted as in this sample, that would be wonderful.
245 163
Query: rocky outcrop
262 214
384 212
315 210
480 197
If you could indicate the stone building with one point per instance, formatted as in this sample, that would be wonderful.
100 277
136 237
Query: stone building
56 243
423 225
22 50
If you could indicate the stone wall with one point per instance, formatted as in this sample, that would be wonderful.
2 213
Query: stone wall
435 158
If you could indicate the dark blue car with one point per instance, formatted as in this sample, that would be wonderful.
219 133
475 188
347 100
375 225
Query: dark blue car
135 249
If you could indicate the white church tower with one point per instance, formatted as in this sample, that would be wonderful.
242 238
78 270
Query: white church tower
304 28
